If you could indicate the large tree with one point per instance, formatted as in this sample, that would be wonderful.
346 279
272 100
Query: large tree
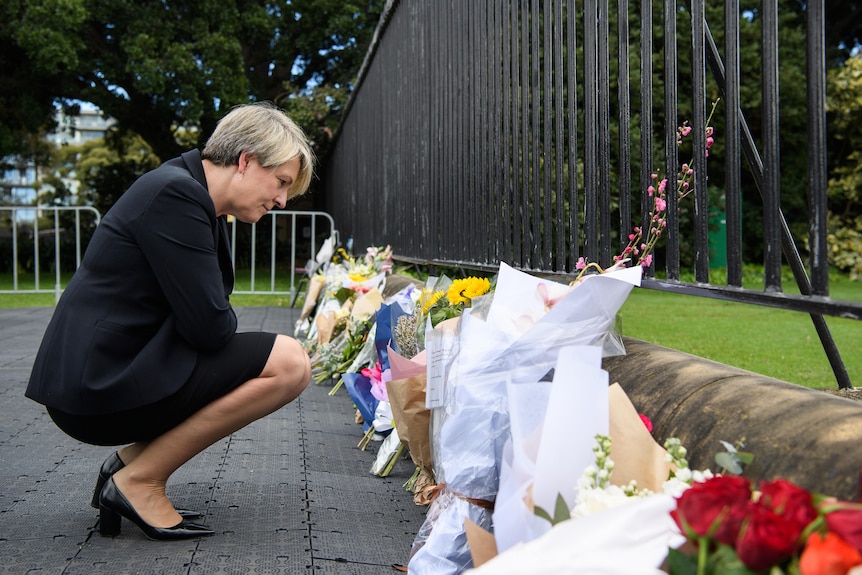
163 66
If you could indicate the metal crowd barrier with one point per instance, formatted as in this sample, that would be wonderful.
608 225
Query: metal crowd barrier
23 229
281 243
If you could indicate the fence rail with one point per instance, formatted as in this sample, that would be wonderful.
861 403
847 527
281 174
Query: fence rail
528 132
35 242
299 233
36 228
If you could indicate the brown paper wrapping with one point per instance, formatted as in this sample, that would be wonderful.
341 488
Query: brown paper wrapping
312 294
483 546
635 453
367 304
413 422
325 327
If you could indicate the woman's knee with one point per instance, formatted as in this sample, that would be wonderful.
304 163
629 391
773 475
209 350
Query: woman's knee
290 365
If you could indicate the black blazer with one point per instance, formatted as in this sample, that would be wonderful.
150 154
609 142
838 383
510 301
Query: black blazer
151 292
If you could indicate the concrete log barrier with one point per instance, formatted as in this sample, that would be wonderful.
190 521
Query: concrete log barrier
806 436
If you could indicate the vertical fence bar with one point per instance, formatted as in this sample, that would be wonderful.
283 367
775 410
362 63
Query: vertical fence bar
625 120
701 198
36 259
560 246
313 251
771 163
253 255
272 254
501 159
646 47
535 197
14 249
438 78
494 119
603 112
671 103
817 170
526 132
481 139
733 154
572 135
516 135
546 255
462 148
591 129
57 280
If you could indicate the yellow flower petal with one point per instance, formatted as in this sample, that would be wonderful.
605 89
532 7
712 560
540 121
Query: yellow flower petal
464 290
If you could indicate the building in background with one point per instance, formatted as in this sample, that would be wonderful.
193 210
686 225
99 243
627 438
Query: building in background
20 185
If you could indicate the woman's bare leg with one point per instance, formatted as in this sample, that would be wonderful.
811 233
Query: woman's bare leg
142 480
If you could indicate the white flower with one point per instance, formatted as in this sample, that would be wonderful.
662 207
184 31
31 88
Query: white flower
701 476
595 492
591 501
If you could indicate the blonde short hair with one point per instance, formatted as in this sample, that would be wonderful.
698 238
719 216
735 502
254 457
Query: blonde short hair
265 132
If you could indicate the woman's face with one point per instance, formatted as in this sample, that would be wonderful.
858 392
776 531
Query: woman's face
257 190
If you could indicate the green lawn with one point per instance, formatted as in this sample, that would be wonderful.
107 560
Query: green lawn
773 342
243 283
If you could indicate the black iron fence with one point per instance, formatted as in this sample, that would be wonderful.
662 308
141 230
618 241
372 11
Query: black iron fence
529 132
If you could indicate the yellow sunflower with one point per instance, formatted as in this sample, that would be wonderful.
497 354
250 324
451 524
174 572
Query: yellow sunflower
464 290
428 300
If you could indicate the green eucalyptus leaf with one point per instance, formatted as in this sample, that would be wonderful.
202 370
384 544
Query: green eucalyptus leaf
561 510
728 462
729 447
538 511
744 457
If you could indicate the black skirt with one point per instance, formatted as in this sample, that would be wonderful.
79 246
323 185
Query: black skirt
216 374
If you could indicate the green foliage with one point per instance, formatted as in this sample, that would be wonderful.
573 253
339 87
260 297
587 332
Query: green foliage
561 511
732 461
721 561
159 65
845 246
319 110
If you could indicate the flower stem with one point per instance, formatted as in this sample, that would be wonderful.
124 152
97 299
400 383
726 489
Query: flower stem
366 439
410 483
337 385
583 271
392 460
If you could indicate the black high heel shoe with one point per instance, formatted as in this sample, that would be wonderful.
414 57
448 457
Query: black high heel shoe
113 464
113 506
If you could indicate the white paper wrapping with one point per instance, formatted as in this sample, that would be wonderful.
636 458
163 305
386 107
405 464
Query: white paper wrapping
631 539
516 343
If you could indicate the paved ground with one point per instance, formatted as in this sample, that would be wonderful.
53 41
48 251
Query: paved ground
288 494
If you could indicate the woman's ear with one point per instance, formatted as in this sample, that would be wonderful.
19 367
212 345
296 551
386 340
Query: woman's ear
242 163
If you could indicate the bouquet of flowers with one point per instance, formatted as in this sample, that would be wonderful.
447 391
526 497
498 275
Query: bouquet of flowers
619 526
508 339
347 296
778 528
698 523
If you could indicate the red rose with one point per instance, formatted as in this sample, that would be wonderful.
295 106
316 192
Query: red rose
790 501
715 507
846 522
766 538
828 555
